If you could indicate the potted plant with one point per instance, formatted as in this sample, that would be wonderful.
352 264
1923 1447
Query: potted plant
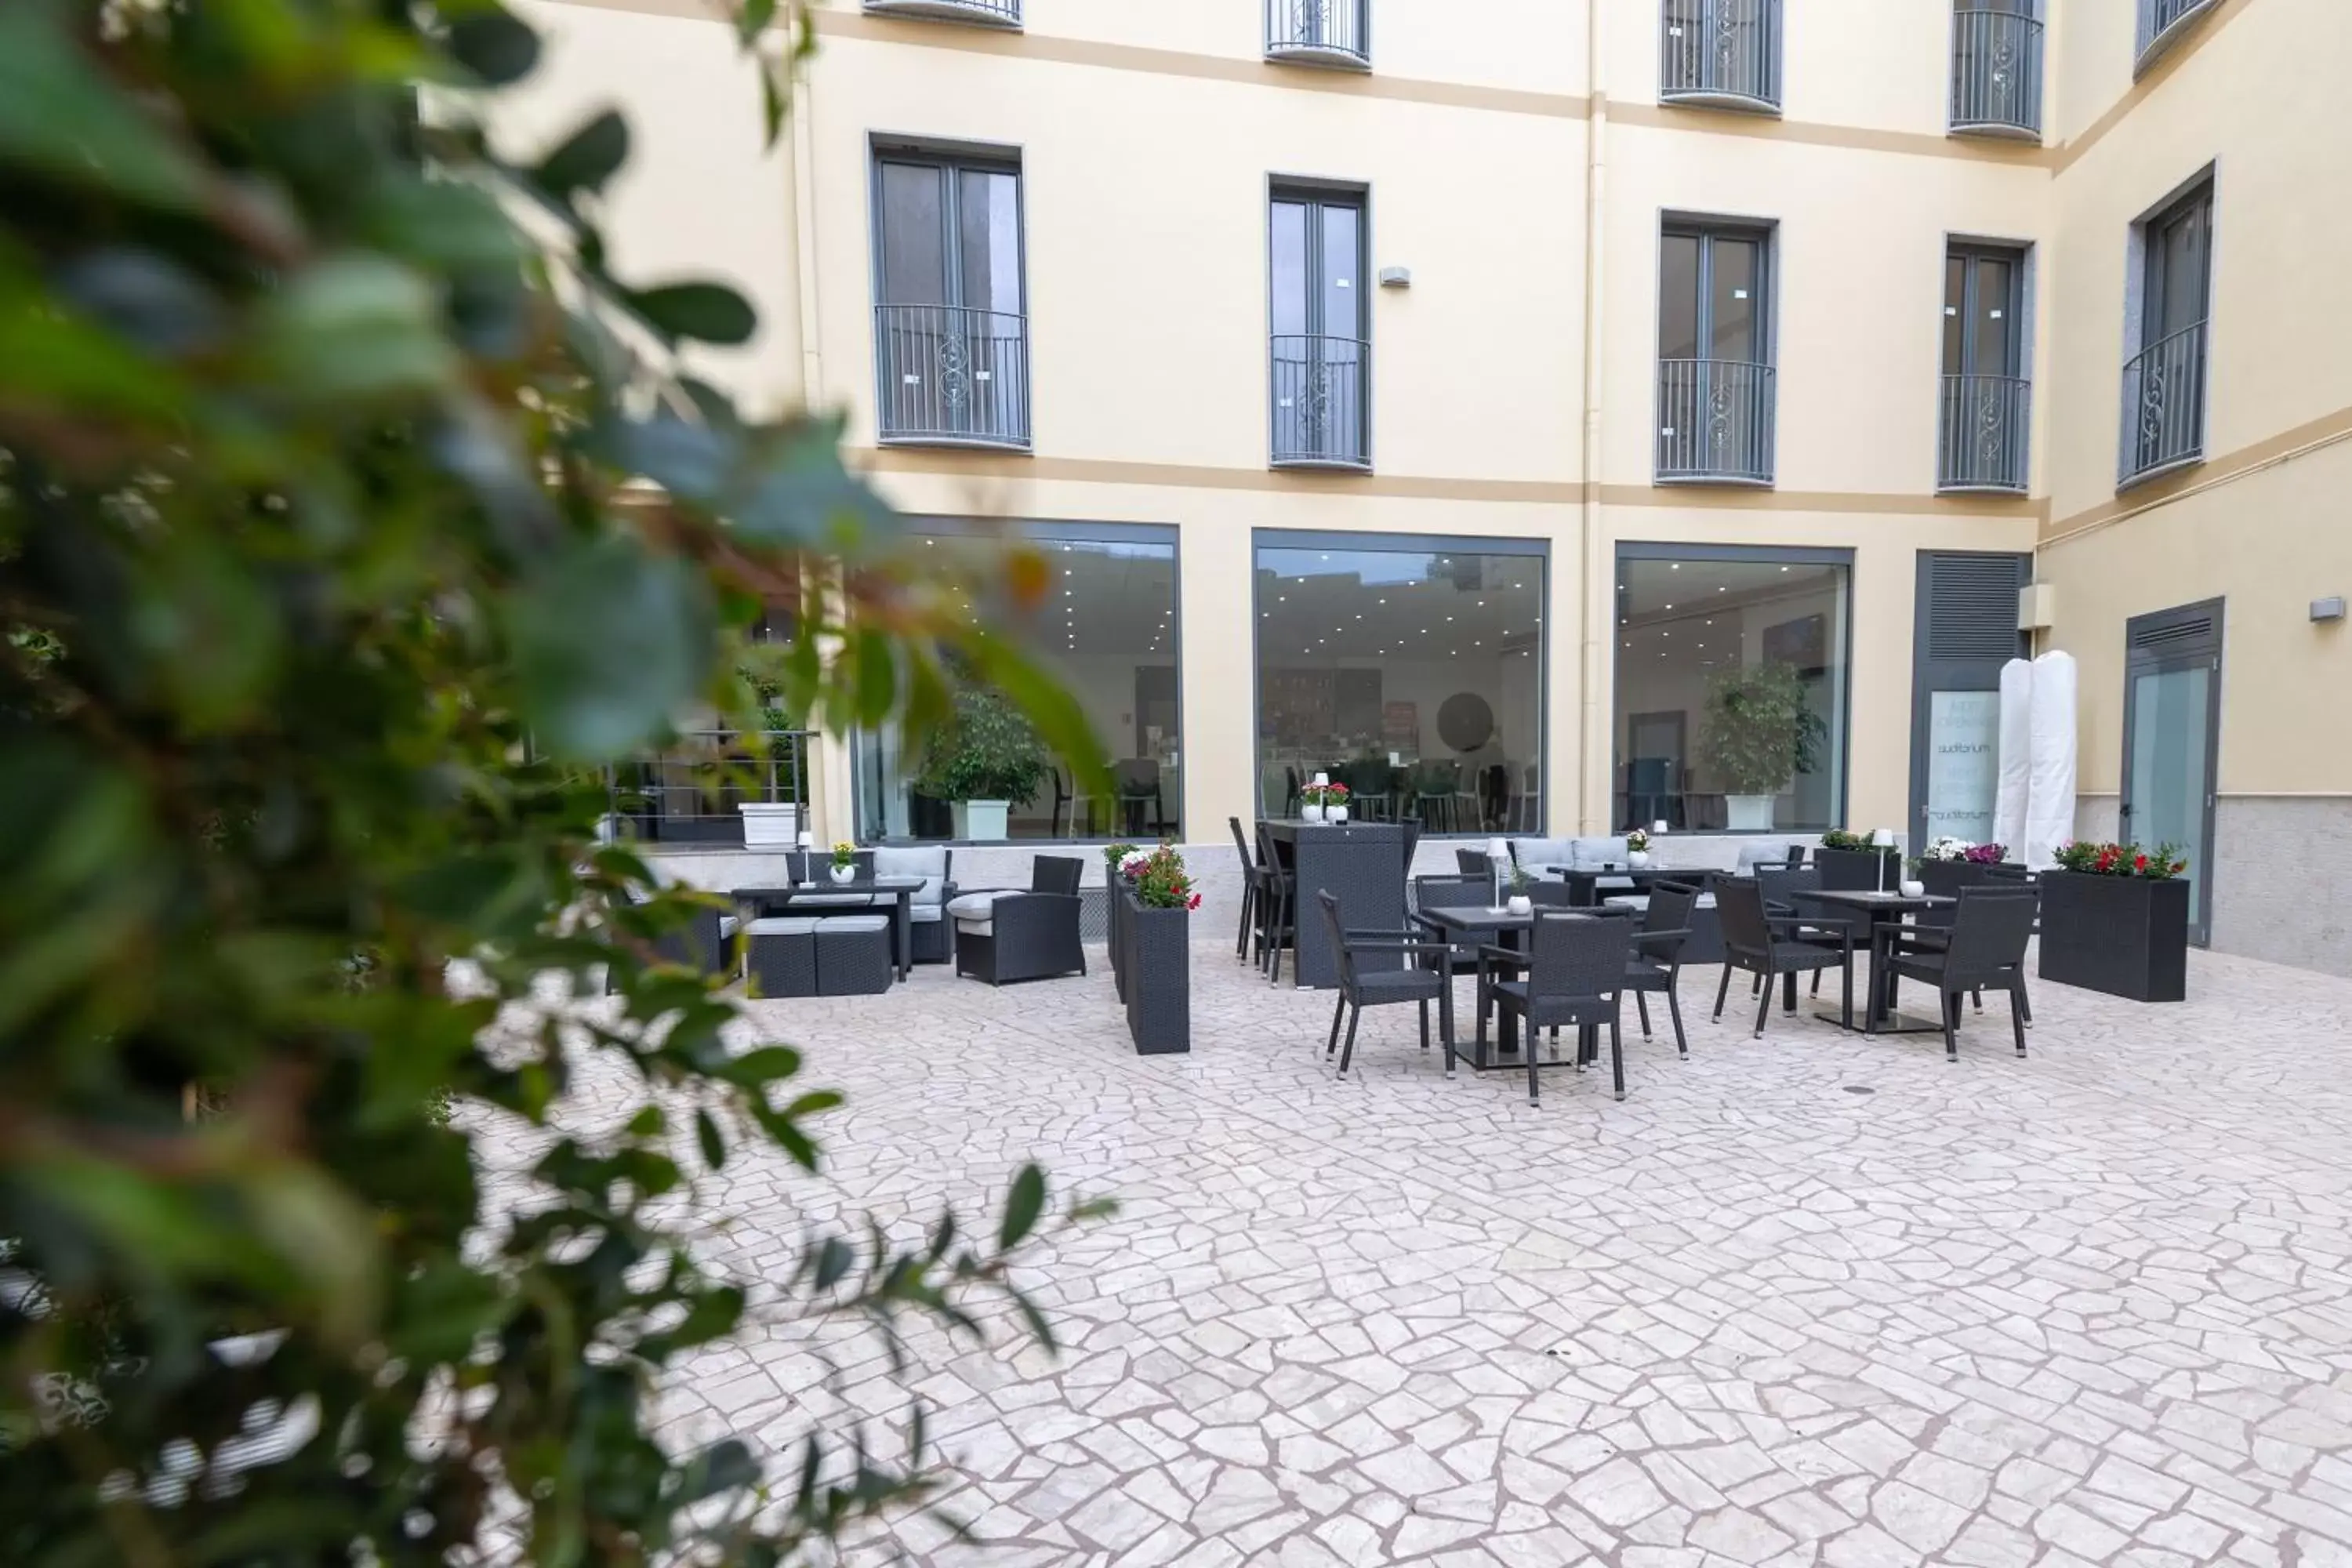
1333 797
2114 918
1519 902
845 862
1114 910
1854 862
1156 936
985 759
1637 848
1948 864
1759 734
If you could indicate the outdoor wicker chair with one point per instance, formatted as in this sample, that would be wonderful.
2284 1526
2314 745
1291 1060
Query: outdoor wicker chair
1006 936
1985 945
1363 986
1253 889
1657 965
1771 947
1572 974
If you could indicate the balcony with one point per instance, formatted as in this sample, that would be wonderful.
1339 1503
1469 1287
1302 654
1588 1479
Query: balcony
2164 406
1996 74
1715 421
1335 34
1980 434
1319 386
947 376
1720 54
987 13
2162 24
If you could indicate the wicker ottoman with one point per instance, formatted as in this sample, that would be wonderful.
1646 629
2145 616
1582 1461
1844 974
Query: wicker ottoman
782 957
853 955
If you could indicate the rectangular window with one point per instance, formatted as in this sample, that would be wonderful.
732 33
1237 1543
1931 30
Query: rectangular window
1716 381
2163 382
1410 669
1108 634
1731 688
1321 350
1722 53
1985 406
950 328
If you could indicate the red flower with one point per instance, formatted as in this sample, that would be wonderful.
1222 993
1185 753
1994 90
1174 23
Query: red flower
2140 864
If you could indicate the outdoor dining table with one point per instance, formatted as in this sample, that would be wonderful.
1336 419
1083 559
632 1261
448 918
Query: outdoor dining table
1886 912
812 896
1584 881
1482 923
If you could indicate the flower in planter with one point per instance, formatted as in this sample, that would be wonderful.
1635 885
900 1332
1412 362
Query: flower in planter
1839 838
1325 794
1132 864
1985 854
1160 880
2158 865
1115 855
1945 849
1637 841
844 854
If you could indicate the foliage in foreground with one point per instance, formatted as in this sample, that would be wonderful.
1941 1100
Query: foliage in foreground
348 528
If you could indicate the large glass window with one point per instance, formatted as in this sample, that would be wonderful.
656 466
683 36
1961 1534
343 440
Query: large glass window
1108 634
1409 670
1731 689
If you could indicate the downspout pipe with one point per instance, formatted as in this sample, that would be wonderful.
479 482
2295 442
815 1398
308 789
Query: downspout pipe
1595 578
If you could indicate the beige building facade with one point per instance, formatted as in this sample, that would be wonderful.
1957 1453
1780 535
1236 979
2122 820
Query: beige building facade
1590 370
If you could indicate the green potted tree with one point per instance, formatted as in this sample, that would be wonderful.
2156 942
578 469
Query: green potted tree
986 758
1759 734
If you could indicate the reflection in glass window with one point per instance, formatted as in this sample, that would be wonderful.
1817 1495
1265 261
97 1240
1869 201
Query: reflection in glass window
1107 633
1414 677
1731 692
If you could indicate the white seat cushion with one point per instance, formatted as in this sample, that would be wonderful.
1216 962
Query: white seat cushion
835 925
928 862
926 914
1589 853
976 906
727 925
781 926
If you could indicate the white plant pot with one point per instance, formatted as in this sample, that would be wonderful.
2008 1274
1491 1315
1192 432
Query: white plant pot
1520 904
769 826
843 873
1637 858
1911 889
1335 814
1311 812
982 821
1749 812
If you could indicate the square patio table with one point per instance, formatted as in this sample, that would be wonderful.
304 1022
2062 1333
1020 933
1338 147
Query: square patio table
1584 881
815 895
1478 921
1886 912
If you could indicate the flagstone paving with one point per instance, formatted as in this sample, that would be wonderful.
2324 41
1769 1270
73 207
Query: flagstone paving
2094 1306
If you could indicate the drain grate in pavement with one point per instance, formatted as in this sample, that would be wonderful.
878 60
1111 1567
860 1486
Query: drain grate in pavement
1860 1089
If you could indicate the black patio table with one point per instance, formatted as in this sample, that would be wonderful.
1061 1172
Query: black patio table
821 895
1886 912
1478 923
1584 881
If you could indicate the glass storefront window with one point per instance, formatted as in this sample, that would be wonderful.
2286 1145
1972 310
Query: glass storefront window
1412 671
1731 689
1108 634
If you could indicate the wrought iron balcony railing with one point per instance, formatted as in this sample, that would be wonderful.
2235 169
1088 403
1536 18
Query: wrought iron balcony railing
1981 428
1996 74
2164 405
992 13
1319 33
1725 53
688 795
952 376
1320 390
1714 420
2161 24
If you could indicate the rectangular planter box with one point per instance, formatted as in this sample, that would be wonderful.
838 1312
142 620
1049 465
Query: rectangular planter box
1857 870
2125 936
1115 900
1156 959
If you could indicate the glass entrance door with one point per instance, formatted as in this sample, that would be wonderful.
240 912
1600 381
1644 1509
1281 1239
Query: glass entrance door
2170 719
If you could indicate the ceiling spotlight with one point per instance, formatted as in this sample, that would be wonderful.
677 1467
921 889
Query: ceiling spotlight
1674 567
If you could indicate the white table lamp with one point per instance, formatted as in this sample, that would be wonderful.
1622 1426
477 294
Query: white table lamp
1882 839
1498 851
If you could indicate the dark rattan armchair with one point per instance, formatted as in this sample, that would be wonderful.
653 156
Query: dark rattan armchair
1384 980
1984 946
1571 974
1775 947
1004 937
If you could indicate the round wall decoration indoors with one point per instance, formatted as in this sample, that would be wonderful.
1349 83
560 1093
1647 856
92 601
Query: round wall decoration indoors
1465 723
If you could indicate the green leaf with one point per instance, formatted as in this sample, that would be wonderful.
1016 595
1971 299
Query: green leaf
588 158
1022 1207
356 327
724 1467
494 46
751 18
706 1132
610 642
833 1261
59 117
707 312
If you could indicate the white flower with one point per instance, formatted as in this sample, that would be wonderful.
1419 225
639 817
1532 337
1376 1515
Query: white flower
1948 848
1134 861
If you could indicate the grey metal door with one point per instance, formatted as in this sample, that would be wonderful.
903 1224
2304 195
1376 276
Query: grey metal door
1964 629
2172 733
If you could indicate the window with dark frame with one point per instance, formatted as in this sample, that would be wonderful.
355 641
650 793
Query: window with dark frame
1320 355
1716 381
1985 406
2163 382
950 323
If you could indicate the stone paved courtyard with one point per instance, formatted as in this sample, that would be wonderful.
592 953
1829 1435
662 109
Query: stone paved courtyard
2090 1306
